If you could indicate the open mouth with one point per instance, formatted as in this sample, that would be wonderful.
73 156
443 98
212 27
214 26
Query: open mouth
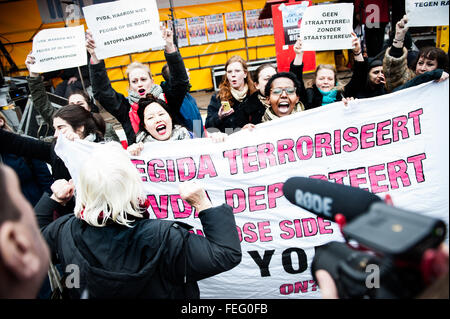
161 129
283 107
141 92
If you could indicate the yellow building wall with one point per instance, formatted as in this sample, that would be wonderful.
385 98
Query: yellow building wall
20 21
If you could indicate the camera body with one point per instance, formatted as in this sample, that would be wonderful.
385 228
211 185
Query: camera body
392 242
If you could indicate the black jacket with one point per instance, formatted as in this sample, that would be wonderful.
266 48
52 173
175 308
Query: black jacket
254 109
154 259
233 122
119 106
36 149
359 86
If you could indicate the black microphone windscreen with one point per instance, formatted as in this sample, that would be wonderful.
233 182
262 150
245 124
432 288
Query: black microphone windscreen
327 199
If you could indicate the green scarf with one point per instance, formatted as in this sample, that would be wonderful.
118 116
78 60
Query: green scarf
328 97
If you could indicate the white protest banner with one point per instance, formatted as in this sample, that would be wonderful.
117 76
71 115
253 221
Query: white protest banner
424 13
59 48
327 27
122 27
396 144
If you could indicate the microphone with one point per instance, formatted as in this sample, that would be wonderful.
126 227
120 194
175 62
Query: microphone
327 199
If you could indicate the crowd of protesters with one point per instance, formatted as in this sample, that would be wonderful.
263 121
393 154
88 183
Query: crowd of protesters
153 258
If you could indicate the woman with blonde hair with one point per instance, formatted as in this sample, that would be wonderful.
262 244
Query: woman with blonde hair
120 251
325 87
141 83
226 108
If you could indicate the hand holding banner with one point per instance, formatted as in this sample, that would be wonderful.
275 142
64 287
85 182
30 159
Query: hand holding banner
59 48
327 27
119 30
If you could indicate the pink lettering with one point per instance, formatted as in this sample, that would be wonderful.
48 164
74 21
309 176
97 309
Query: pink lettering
355 181
184 163
274 191
365 135
323 224
351 139
239 194
399 126
265 153
253 197
300 148
375 179
285 149
247 159
337 142
381 132
159 210
178 212
206 167
416 160
309 226
416 120
264 231
323 141
140 170
395 173
156 174
284 227
231 156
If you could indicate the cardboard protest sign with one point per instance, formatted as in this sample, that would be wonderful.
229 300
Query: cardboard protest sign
423 13
396 144
122 27
59 48
327 27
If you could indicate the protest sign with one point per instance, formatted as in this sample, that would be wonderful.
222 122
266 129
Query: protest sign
285 26
423 13
59 48
122 27
292 19
327 27
396 143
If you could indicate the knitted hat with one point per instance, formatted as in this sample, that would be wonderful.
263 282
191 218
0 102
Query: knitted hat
373 63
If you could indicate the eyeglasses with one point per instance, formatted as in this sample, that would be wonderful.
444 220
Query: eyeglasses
279 91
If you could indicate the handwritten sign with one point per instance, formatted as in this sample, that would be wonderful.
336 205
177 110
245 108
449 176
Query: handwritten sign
59 48
327 27
122 27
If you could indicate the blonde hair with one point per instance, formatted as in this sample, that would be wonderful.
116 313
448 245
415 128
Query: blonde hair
330 67
109 188
137 65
